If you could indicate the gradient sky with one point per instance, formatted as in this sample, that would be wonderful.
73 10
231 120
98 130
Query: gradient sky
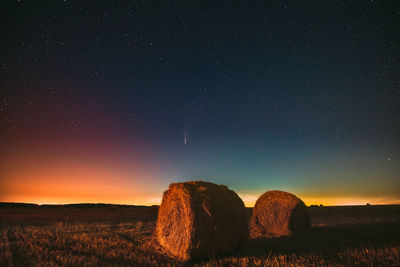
110 102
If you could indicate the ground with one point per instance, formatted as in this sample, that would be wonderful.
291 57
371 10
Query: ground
110 235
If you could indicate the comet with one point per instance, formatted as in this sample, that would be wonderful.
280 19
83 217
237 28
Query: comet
185 138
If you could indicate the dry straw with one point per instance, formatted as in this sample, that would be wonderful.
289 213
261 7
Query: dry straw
278 213
201 219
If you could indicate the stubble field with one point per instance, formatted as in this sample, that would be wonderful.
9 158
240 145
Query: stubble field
111 235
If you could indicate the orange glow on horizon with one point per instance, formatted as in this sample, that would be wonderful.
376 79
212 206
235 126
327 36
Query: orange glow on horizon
34 177
126 199
50 177
79 184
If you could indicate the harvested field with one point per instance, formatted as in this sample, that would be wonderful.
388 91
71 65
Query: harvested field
365 235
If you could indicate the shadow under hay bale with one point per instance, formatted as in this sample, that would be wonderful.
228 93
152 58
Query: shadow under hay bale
201 219
327 240
278 213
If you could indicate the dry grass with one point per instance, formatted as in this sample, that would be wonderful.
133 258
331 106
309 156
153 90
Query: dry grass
94 244
131 243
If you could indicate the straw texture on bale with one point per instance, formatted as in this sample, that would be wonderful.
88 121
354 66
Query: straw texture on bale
200 219
278 213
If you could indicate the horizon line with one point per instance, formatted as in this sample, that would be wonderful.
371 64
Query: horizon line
134 205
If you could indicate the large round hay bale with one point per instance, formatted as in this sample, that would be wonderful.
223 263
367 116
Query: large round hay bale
201 219
278 213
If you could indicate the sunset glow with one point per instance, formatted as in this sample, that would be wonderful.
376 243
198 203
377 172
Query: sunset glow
107 172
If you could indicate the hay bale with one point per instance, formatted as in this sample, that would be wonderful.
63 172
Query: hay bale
278 213
201 219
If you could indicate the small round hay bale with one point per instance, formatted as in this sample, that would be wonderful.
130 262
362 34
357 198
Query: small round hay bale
278 213
200 219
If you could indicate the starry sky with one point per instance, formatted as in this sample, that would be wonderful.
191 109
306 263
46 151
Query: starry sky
106 101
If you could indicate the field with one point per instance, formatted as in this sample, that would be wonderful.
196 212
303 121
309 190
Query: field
116 235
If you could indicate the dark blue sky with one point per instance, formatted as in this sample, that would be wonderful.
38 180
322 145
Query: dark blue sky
293 95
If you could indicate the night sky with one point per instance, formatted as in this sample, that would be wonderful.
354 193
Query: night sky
105 101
